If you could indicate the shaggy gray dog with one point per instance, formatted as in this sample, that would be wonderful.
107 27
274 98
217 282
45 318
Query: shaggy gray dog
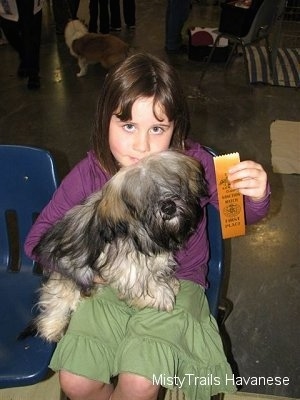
125 235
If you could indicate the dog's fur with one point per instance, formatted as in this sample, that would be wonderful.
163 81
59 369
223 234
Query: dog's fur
124 234
93 48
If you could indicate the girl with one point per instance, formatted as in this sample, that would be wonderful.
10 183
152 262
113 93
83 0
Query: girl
142 110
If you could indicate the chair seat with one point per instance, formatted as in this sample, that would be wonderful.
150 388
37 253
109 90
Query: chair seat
22 362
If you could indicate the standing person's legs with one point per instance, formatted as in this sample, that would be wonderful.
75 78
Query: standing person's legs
11 30
61 15
31 28
115 15
176 15
94 13
104 16
129 13
74 5
12 34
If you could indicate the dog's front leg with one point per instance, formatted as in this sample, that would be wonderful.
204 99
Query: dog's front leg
83 67
59 296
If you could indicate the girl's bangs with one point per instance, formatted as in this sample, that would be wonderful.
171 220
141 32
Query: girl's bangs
160 102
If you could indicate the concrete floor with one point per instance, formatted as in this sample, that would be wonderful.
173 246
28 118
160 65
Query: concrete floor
227 114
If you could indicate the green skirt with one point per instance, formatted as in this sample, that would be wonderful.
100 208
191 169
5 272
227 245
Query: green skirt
180 349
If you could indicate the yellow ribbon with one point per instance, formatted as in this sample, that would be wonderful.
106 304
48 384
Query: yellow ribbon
231 202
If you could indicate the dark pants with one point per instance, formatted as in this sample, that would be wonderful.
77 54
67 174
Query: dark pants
63 11
25 36
99 11
176 15
109 15
129 12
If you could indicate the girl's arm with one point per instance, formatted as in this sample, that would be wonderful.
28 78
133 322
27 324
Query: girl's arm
68 194
85 178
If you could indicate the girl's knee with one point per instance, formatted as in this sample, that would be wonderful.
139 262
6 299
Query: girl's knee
79 387
137 387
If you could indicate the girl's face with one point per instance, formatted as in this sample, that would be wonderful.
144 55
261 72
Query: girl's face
144 134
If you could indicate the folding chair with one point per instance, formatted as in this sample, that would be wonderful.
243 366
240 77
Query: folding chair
268 13
27 181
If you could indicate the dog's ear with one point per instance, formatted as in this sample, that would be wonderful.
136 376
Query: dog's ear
74 243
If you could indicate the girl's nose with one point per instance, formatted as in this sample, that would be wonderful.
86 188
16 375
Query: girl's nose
141 143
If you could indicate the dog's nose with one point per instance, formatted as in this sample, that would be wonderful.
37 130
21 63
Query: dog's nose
168 207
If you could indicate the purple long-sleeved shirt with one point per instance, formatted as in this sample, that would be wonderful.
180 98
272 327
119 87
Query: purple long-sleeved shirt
87 177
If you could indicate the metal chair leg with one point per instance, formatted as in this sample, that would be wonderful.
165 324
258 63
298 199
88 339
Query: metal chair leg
209 58
248 77
272 55
230 56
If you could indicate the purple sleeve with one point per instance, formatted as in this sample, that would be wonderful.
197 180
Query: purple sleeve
256 210
85 178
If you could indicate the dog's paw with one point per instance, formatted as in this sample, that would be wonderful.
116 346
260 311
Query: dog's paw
166 303
166 295
163 300
175 285
80 74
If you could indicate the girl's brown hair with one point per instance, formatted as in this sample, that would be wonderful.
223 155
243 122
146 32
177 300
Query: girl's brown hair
140 75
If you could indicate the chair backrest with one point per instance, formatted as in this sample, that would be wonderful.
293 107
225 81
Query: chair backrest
264 20
216 260
27 181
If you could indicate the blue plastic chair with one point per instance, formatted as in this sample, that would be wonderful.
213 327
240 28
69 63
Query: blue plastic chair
27 181
216 261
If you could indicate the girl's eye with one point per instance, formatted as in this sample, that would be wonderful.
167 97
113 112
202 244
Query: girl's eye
129 127
157 130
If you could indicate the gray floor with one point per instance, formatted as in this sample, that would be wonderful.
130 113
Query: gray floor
228 115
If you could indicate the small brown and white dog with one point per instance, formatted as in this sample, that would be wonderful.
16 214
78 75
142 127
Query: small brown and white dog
93 48
124 235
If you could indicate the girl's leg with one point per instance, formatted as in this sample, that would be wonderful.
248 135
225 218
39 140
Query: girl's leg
134 387
80 388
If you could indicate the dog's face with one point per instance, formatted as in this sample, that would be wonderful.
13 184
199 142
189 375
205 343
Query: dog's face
149 208
158 197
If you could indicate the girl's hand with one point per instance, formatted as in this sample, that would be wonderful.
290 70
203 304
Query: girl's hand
249 178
